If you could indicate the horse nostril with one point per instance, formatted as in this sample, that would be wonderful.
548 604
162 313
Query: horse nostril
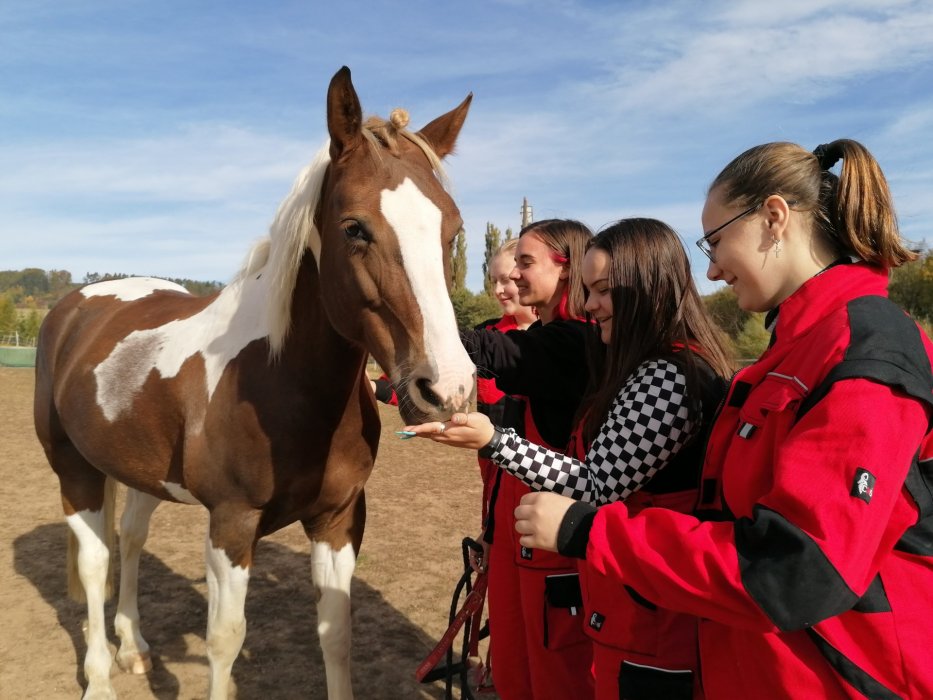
427 393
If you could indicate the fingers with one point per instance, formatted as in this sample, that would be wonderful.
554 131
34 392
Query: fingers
427 430
477 562
462 430
538 517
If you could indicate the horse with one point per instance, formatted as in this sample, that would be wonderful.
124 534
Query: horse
254 402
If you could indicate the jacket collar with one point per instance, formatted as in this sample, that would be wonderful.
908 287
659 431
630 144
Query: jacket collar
825 292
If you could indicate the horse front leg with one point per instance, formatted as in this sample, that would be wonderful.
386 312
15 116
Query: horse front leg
133 655
229 553
333 560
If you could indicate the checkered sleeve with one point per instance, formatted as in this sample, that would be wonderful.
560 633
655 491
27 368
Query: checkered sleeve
649 422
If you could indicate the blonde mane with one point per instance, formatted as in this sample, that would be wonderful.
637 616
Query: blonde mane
278 256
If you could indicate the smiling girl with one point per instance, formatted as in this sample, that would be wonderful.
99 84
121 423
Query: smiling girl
656 367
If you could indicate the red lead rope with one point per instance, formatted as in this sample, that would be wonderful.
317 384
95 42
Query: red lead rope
472 607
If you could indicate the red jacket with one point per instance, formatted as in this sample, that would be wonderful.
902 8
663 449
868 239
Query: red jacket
811 564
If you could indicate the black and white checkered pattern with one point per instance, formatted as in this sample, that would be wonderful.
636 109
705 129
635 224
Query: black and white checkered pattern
647 425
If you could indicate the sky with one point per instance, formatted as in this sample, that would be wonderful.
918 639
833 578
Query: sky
158 138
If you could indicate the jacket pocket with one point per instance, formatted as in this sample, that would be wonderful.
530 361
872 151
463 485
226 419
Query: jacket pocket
618 617
776 393
563 611
638 682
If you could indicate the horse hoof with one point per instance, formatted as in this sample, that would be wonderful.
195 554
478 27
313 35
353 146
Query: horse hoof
93 693
135 663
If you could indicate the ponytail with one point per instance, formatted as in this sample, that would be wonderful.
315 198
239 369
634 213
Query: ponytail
854 210
858 206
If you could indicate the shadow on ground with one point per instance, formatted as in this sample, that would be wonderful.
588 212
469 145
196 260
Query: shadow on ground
280 657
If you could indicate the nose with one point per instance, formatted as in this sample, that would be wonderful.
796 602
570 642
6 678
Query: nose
444 395
514 274
713 272
589 304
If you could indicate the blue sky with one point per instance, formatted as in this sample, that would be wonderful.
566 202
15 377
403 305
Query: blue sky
159 137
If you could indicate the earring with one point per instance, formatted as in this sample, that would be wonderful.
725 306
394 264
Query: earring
777 247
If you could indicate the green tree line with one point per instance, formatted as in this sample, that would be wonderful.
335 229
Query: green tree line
26 294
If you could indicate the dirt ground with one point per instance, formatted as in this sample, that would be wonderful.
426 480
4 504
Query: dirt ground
422 500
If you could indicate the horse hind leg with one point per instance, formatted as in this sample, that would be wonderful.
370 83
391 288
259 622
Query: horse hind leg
133 654
92 529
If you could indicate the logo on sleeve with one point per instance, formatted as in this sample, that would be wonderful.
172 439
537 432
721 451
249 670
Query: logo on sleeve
596 621
863 486
526 553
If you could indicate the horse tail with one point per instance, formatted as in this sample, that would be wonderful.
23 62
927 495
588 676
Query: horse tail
75 587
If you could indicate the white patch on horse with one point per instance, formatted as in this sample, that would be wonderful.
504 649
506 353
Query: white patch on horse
219 332
180 493
93 563
130 288
332 573
417 224
226 616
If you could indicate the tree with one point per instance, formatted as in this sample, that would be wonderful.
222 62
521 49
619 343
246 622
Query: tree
7 315
723 306
59 282
28 326
471 309
493 241
753 339
458 263
34 281
911 287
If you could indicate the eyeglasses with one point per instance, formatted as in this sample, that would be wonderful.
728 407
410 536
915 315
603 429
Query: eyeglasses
703 242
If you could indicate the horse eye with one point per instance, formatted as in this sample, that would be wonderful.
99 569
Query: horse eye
353 231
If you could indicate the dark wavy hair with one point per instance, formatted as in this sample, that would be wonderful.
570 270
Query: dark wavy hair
657 313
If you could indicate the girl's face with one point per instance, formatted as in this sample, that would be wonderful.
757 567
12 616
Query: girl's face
743 254
596 264
504 289
540 280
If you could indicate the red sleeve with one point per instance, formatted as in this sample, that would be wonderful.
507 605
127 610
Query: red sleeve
729 571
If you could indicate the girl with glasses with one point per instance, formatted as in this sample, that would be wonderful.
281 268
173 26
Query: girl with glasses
809 559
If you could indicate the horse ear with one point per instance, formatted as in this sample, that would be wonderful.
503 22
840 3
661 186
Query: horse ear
344 114
442 132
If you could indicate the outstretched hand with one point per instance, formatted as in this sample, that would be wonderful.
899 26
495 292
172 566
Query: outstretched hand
538 518
468 430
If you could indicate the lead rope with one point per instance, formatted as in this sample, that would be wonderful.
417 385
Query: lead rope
472 609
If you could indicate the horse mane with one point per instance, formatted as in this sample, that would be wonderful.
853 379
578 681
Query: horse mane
278 255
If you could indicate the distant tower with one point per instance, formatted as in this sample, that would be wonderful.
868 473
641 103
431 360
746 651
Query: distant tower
527 214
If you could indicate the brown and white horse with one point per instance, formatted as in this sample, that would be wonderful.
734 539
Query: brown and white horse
255 402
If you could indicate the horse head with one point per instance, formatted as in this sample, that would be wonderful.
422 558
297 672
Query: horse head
386 226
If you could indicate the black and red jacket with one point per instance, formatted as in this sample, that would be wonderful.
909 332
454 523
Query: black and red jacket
503 410
811 561
545 363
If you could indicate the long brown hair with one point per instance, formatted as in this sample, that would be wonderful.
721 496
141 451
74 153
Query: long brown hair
567 240
657 313
853 210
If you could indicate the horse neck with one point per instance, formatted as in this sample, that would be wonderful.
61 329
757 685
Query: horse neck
312 344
